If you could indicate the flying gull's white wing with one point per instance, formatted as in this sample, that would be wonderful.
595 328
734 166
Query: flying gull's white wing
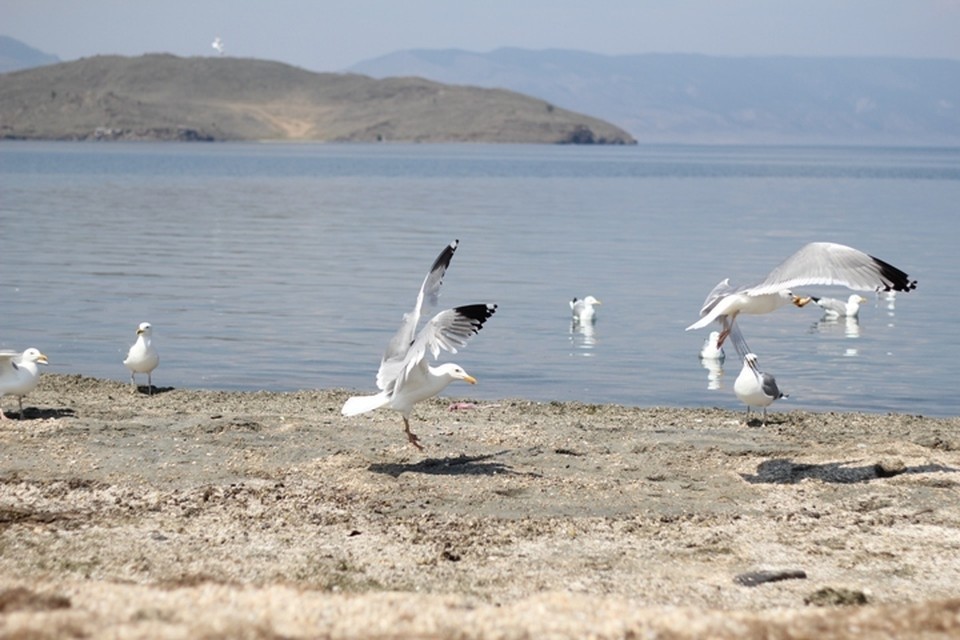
829 263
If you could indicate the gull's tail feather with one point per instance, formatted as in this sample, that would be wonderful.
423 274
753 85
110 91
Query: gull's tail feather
355 405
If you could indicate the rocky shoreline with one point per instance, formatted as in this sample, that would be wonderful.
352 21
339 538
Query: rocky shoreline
194 513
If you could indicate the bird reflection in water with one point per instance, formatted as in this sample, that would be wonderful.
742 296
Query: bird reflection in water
712 357
583 338
849 326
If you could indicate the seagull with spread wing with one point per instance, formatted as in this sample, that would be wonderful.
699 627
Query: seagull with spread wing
817 263
405 376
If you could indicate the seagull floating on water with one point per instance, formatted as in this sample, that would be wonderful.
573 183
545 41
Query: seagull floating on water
584 311
142 356
405 377
756 388
711 350
817 263
833 308
19 374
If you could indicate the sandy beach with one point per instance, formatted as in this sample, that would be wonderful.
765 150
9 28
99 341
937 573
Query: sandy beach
208 514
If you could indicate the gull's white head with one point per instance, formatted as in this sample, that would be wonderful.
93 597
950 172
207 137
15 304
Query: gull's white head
455 372
751 361
856 299
144 329
33 355
590 300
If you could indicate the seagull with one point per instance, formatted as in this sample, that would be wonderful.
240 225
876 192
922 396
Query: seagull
583 310
405 376
817 263
710 349
756 388
833 308
19 374
142 356
218 45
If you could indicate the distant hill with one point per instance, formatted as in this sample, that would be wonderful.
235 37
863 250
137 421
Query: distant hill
15 55
704 99
213 98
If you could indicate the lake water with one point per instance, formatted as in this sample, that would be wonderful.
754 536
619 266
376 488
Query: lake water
286 267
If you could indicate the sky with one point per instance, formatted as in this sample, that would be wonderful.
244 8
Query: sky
332 35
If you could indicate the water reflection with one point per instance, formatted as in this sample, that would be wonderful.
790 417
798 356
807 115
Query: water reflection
712 357
714 369
583 337
850 327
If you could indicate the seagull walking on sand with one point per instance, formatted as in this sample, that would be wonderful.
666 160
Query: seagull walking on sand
833 308
584 311
817 263
19 374
405 376
142 356
756 388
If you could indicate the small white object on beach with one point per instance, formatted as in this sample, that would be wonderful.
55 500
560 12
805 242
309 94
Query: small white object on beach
405 377
19 374
142 356
584 311
833 308
817 263
755 388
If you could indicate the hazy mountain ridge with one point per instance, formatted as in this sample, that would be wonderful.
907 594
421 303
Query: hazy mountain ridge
15 55
697 98
162 96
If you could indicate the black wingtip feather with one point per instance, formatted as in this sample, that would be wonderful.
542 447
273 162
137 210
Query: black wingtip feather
477 314
899 281
443 260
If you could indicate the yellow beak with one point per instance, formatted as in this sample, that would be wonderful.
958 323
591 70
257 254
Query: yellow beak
470 379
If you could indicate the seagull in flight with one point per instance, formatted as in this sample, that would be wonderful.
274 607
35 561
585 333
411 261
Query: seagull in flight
405 376
756 388
817 263
19 374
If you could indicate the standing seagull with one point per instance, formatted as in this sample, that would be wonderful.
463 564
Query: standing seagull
405 377
817 263
833 308
19 374
756 388
583 310
142 356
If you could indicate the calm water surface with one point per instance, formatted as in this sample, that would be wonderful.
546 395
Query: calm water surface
284 267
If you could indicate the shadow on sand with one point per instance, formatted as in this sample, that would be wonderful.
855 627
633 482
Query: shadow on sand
452 466
782 471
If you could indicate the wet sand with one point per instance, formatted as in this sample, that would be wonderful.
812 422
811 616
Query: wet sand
210 514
